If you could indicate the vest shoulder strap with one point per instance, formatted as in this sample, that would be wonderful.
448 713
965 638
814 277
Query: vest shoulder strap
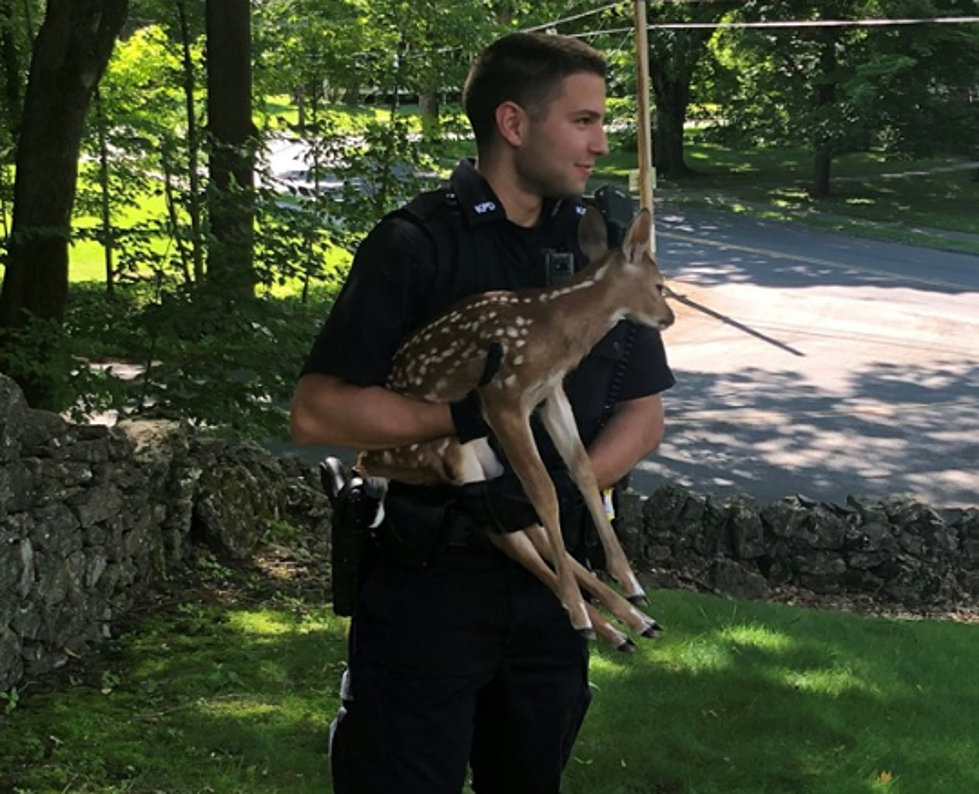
437 214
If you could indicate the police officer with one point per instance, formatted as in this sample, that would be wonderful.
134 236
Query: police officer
458 655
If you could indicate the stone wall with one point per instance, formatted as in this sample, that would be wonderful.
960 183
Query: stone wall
91 517
896 550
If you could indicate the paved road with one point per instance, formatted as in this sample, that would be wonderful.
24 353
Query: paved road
812 362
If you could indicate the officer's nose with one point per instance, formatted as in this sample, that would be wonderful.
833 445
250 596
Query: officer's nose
600 143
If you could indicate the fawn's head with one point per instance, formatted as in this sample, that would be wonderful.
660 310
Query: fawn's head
631 267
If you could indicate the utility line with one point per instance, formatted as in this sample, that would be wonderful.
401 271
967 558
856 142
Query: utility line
811 23
576 17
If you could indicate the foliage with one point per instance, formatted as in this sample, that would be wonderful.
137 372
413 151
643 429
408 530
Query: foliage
908 88
189 356
42 350
226 367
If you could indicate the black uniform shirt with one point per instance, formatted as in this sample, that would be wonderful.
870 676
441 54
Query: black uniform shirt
397 283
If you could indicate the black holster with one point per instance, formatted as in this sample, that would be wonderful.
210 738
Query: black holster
354 542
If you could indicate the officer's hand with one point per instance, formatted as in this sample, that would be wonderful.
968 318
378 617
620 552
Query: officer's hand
509 509
467 416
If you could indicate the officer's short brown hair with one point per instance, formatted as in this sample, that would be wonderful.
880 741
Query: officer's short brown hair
526 68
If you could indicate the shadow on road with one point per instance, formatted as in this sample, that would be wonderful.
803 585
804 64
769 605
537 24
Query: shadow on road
894 430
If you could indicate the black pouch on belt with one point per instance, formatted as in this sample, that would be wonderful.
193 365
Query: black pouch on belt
415 526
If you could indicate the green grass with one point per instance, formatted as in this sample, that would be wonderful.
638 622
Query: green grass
234 693
871 196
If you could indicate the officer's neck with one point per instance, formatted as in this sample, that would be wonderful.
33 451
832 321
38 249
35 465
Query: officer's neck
522 207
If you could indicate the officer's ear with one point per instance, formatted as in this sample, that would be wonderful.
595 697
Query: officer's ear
511 123
592 235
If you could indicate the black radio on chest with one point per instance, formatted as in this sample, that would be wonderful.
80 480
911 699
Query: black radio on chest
558 266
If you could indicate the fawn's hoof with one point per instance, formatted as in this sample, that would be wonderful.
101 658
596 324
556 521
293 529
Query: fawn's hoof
588 633
638 600
654 631
627 646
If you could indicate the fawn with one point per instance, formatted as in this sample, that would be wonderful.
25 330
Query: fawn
534 338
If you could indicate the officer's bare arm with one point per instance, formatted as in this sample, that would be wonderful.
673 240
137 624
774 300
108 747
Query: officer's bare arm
331 412
634 430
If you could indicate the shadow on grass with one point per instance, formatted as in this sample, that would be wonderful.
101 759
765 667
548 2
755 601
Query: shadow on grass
213 698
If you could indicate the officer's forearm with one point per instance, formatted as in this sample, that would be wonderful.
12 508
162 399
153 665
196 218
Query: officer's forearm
329 411
634 430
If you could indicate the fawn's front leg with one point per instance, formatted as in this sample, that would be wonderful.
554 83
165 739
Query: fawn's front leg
620 608
512 428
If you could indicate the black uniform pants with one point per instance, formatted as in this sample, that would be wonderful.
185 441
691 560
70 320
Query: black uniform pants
467 659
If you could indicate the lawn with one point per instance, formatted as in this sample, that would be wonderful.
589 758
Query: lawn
924 202
229 686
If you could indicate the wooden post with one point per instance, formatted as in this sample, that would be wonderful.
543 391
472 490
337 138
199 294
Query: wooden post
643 116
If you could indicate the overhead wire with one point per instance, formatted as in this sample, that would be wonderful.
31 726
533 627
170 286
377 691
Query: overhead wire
772 23
575 17
791 24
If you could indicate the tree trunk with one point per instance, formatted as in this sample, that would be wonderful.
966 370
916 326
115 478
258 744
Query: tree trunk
230 196
674 56
70 53
824 133
821 174
195 206
672 100
668 142
430 108
105 197
10 58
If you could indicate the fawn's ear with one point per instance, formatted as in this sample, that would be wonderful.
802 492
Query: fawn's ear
593 235
637 237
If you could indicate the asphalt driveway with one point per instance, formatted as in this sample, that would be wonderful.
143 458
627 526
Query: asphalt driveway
815 363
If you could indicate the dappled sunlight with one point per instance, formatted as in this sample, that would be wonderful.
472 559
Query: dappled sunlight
242 707
700 655
757 636
609 664
269 624
876 432
830 682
